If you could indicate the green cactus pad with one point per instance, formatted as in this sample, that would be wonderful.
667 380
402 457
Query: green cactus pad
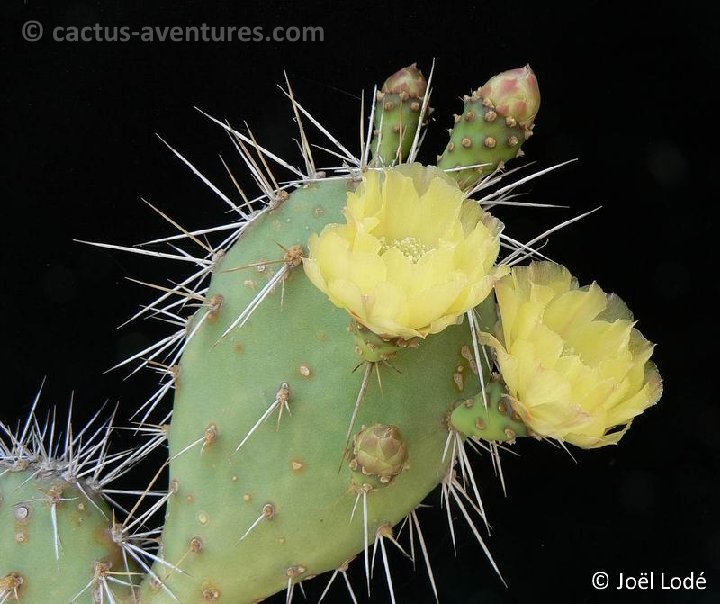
50 529
278 509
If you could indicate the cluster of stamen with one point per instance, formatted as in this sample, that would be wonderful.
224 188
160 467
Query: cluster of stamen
410 247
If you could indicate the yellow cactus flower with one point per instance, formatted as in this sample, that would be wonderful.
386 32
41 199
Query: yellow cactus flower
573 362
413 255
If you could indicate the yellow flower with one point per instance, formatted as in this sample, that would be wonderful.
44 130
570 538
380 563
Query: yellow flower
413 255
571 357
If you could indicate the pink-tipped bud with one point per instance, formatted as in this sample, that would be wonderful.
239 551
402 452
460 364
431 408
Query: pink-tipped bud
409 80
514 93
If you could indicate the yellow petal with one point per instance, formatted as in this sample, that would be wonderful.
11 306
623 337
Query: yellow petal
574 309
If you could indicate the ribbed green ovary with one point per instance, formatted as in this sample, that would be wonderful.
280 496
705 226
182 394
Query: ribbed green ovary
225 385
85 550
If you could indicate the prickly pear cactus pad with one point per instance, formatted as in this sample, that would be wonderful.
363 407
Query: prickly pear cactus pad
54 519
262 421
343 344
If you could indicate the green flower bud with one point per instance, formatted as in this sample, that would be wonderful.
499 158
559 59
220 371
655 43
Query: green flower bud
379 450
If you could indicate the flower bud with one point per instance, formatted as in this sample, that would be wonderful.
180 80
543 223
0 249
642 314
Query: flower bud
409 80
379 450
515 94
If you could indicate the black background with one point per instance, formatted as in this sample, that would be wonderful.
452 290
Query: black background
628 92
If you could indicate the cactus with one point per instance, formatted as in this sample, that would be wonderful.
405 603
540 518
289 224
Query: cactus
342 360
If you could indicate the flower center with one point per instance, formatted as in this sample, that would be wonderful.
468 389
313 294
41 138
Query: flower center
408 246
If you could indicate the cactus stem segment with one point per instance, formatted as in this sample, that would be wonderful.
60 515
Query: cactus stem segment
59 524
